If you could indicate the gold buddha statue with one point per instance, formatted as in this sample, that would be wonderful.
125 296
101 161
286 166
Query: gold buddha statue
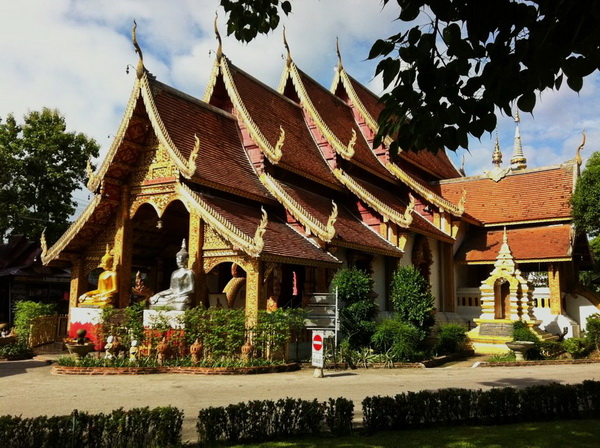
107 286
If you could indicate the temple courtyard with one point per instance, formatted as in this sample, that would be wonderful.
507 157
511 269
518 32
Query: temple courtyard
28 388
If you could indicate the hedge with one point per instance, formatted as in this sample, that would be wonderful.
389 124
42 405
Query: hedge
475 407
139 427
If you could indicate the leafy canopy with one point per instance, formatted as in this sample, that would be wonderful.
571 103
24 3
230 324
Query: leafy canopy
456 62
42 164
586 198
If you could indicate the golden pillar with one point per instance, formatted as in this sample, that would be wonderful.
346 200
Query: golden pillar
448 286
254 299
78 282
554 284
196 240
122 250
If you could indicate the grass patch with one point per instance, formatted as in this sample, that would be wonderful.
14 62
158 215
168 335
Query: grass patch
579 433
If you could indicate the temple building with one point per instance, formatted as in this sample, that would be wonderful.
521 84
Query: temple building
273 190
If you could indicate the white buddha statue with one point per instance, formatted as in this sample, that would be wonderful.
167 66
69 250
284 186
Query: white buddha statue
179 295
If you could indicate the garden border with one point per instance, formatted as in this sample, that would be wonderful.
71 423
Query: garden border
75 370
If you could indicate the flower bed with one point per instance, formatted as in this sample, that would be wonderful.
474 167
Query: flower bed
76 370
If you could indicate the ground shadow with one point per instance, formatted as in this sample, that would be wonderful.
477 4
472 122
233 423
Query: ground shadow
518 382
9 368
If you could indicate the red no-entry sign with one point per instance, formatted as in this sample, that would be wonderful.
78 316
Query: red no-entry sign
317 349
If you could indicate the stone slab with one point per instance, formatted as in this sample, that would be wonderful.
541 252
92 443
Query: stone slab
496 329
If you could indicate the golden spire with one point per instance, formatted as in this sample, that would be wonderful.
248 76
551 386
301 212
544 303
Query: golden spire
140 70
339 55
288 59
497 155
220 47
518 160
578 158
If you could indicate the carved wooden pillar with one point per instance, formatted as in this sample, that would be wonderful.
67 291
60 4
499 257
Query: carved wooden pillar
555 289
448 286
196 240
253 291
78 282
122 250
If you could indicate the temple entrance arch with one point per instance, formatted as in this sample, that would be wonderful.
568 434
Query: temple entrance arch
155 240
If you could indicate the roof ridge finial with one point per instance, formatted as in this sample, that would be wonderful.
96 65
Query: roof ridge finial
220 47
288 59
578 158
518 160
339 54
497 154
140 69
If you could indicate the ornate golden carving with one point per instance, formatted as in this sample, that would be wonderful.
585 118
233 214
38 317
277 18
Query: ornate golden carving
193 157
140 70
90 174
43 243
212 240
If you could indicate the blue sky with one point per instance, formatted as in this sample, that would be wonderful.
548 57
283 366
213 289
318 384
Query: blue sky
72 55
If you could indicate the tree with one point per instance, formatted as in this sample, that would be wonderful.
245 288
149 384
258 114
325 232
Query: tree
462 60
42 164
411 298
585 201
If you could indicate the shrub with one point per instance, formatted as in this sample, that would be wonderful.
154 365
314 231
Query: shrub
452 338
25 312
412 299
399 339
593 330
576 347
359 309
17 350
521 332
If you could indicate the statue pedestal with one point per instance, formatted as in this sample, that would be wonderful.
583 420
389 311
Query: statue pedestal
89 319
160 319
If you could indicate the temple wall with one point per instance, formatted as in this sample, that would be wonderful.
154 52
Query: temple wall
379 285
435 278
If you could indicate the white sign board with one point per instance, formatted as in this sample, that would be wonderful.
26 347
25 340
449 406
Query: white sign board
318 339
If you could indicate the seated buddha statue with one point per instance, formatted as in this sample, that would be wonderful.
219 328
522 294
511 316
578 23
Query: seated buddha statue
107 286
178 296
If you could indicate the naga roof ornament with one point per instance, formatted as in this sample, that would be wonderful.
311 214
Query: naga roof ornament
288 59
43 243
191 164
90 175
578 158
220 47
140 69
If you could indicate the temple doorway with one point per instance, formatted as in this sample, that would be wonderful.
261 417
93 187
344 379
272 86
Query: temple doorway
155 242
501 298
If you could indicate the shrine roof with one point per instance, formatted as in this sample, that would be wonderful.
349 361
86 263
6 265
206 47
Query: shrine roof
280 239
418 223
222 161
528 244
349 229
541 194
271 111
437 164
338 117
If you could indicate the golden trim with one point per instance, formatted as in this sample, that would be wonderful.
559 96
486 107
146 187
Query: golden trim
272 153
388 213
430 196
228 231
346 151
212 81
73 229
310 223
519 261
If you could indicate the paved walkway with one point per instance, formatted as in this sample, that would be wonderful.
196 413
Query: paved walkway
28 388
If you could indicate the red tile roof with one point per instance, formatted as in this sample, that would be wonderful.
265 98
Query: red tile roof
437 164
526 244
338 116
528 195
270 110
280 238
349 228
222 159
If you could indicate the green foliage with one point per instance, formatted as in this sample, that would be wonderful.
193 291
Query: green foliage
267 420
25 312
17 350
521 332
400 340
40 157
504 357
592 330
135 428
452 338
586 199
358 310
458 62
352 285
448 407
274 330
576 347
412 299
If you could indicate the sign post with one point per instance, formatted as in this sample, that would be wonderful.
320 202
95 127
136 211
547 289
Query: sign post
317 353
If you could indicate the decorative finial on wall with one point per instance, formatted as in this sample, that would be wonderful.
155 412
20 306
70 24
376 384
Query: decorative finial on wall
220 47
140 70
